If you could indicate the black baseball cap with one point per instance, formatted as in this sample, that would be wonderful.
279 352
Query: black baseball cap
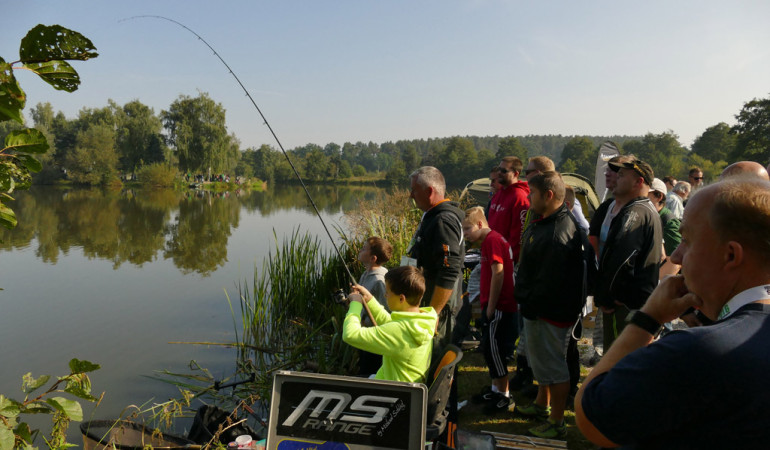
642 168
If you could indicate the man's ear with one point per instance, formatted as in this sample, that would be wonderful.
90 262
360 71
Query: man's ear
734 255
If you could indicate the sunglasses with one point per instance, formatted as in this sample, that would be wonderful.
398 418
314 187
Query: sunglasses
503 170
697 178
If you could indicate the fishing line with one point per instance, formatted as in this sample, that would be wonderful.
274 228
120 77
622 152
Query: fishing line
264 119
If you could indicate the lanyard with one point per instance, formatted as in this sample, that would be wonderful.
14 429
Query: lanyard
750 295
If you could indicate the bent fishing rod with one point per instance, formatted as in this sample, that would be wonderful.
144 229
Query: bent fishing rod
278 141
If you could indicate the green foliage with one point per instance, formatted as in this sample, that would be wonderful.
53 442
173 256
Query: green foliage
197 132
15 433
458 158
44 51
359 170
94 160
716 143
510 146
661 151
579 156
753 131
138 136
157 175
288 320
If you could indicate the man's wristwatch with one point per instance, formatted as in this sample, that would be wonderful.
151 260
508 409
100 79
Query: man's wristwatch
645 322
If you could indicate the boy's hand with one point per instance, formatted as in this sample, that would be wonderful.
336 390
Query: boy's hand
357 288
355 297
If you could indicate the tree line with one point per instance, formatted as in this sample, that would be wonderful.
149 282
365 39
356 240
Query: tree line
101 144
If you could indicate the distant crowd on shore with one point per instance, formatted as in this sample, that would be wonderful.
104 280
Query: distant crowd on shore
657 250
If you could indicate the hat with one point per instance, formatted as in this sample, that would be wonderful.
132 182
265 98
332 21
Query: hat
658 186
642 168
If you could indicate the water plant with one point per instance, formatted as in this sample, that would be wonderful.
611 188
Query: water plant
15 433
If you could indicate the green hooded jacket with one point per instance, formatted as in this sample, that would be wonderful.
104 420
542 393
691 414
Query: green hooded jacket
404 339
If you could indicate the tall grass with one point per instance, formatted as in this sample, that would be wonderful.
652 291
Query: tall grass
288 317
392 217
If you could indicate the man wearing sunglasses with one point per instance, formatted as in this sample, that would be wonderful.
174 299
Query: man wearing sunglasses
696 178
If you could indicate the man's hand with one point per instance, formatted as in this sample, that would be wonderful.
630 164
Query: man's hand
670 299
490 312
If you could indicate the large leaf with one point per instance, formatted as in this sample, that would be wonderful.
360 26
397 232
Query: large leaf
78 366
23 431
54 42
6 437
70 408
7 217
8 407
78 391
29 384
58 74
12 98
30 163
28 140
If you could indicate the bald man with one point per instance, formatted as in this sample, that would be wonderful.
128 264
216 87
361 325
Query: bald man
745 168
713 379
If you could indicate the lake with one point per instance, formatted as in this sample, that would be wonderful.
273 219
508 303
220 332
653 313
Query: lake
114 277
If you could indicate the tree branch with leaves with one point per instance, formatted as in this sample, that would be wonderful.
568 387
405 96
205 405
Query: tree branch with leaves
45 51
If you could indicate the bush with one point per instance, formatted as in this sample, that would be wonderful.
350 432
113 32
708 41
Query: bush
157 174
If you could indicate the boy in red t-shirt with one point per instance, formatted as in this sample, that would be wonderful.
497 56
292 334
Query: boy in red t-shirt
498 307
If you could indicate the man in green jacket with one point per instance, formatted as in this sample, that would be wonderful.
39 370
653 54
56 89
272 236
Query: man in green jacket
404 337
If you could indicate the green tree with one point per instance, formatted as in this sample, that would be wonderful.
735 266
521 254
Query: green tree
716 143
42 115
409 156
345 170
397 174
138 136
316 165
510 146
94 159
458 159
753 131
662 152
579 156
197 133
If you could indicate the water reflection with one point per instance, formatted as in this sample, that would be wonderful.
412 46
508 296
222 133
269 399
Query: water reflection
190 228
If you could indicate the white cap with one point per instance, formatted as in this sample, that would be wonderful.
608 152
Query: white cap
658 185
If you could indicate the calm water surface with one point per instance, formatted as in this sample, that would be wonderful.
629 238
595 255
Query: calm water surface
113 278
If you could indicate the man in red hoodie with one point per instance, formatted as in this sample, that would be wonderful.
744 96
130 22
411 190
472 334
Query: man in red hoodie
510 204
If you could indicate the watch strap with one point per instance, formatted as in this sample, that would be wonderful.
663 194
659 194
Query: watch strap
645 322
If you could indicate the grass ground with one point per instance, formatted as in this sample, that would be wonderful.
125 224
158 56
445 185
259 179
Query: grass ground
472 377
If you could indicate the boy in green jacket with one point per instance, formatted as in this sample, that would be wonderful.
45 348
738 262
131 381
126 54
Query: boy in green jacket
404 337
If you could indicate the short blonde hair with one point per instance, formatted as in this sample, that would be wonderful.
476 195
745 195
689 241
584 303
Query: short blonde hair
475 215
741 212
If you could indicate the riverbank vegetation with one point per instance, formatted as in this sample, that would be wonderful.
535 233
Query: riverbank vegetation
117 141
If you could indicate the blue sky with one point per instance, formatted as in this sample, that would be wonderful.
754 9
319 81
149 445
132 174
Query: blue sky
337 71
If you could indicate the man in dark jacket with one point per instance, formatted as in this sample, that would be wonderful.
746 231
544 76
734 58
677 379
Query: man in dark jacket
550 305
631 243
437 247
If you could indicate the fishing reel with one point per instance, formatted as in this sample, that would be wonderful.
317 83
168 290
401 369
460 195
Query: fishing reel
340 297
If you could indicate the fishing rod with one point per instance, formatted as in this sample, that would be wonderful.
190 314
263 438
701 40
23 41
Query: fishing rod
278 141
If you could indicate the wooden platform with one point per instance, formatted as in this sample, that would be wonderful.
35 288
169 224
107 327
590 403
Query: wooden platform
516 441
